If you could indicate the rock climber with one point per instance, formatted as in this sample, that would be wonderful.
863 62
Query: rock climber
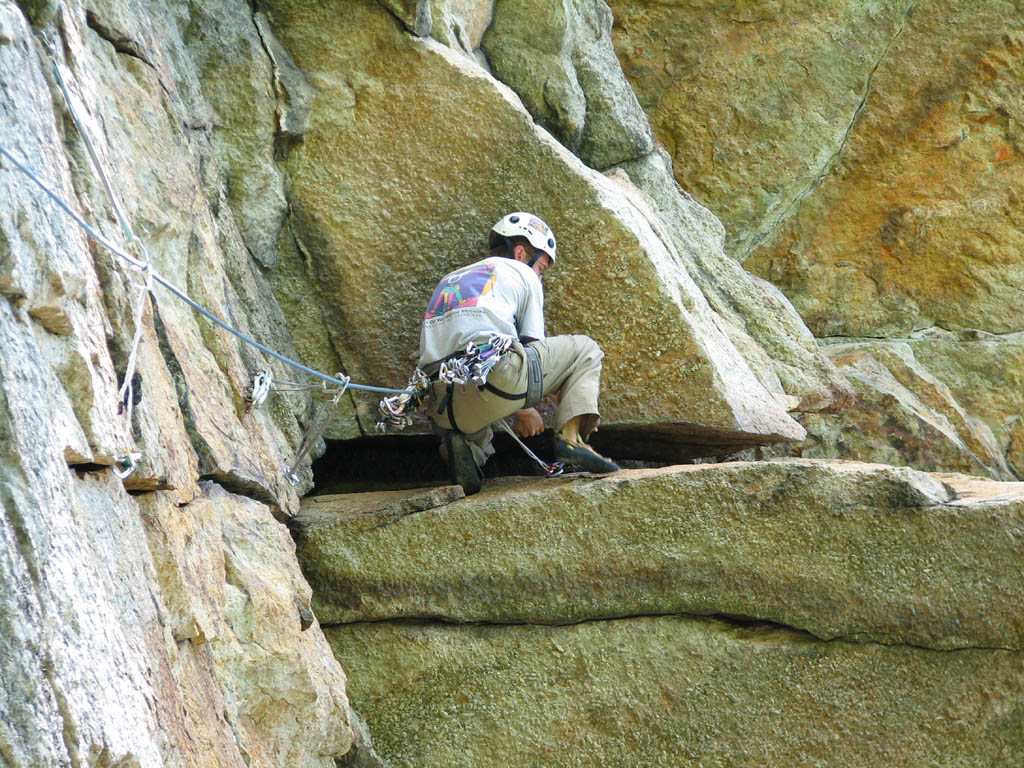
498 303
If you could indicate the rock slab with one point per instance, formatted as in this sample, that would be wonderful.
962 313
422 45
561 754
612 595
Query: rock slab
839 550
669 691
790 612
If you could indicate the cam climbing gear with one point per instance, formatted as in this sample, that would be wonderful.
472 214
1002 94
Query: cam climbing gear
476 361
262 383
314 431
471 367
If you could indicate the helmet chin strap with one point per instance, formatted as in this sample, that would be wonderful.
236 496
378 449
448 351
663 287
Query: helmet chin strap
512 252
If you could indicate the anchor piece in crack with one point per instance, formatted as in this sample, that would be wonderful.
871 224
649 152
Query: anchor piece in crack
315 430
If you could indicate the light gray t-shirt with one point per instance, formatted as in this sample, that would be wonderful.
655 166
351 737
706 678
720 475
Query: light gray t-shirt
496 294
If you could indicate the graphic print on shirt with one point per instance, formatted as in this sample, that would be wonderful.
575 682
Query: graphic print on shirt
461 289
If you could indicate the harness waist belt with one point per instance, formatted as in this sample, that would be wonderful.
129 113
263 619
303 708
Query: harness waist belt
534 381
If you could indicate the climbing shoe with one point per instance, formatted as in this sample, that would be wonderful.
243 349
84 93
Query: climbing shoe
584 457
461 466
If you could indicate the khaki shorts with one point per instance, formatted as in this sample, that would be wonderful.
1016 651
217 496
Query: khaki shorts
572 372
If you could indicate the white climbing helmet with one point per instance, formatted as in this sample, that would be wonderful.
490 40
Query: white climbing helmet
523 224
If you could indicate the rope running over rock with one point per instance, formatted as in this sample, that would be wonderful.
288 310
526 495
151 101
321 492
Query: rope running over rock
157 277
128 463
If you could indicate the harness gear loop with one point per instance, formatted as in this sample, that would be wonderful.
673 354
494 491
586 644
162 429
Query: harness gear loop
471 366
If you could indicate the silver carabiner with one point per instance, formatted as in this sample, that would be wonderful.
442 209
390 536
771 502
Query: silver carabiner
126 465
262 381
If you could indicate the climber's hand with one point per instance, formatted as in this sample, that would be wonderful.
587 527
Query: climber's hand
528 422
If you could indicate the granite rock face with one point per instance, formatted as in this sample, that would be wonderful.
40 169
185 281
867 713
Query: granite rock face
306 171
793 608
804 544
670 691
378 211
558 56
906 413
937 244
753 101
160 619
758 319
865 159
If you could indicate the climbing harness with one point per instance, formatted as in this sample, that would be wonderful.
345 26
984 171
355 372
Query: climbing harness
125 465
471 367
551 470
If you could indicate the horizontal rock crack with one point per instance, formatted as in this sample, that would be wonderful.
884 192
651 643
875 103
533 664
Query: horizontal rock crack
734 622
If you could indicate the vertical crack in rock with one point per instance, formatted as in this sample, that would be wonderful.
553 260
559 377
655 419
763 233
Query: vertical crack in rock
121 42
306 255
413 15
833 159
293 92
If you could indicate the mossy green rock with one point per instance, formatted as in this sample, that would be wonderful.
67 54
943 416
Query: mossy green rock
559 57
836 549
670 691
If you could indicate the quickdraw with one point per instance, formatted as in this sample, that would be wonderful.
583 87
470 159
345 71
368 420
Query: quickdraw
551 470
314 431
476 361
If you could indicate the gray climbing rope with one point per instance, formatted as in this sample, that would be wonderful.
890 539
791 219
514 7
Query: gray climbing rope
126 393
121 253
